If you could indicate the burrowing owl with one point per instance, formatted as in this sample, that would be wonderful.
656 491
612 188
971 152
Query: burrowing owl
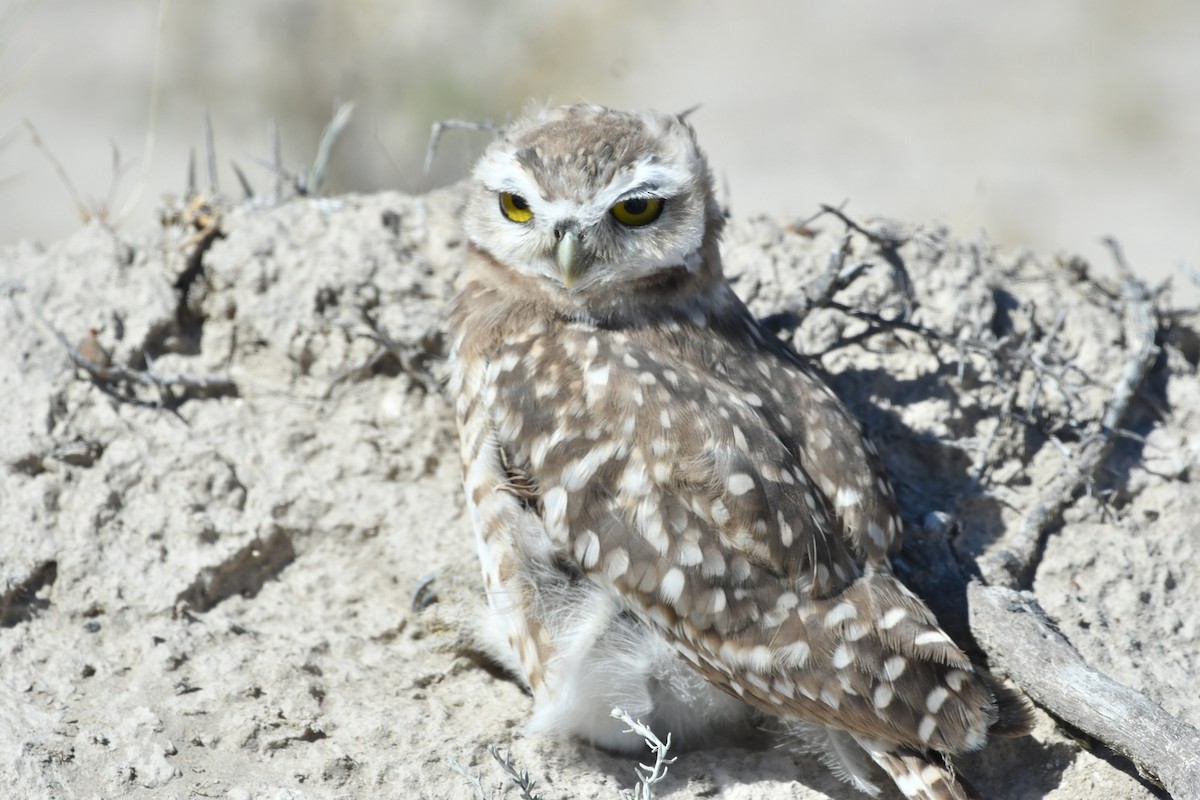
672 514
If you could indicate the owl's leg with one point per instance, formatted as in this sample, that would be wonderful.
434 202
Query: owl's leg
562 637
566 638
581 655
605 658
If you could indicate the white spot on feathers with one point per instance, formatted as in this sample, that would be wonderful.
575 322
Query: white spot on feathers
720 514
555 503
739 483
842 657
615 563
926 728
688 554
840 613
587 549
932 637
672 585
578 473
794 655
716 601
894 667
847 496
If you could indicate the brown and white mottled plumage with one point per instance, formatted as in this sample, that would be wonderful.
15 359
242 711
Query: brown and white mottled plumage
672 514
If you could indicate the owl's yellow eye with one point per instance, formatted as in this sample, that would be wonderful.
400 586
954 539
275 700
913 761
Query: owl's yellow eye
514 207
638 210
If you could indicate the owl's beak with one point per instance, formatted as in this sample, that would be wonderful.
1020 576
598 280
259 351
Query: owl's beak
570 263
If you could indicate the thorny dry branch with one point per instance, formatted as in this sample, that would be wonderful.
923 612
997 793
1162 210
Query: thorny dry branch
441 126
473 781
519 777
306 182
416 359
1013 566
102 374
1010 357
1011 629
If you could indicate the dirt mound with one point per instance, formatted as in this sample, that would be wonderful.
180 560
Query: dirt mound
211 534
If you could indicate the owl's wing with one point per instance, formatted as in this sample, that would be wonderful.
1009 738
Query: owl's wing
668 465
825 438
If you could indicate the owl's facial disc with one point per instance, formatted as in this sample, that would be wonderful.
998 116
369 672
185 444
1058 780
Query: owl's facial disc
596 203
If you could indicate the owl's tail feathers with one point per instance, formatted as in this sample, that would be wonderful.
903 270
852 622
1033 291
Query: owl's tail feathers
919 776
1014 713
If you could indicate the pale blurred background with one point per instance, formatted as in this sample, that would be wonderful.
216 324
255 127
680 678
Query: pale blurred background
1045 124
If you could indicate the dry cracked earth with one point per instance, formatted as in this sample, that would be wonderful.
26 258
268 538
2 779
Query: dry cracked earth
235 561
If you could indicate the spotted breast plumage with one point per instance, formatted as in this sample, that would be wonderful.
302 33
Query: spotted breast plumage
673 515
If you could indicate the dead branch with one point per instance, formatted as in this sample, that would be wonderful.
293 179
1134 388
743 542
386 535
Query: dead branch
441 126
307 183
1023 644
839 275
109 374
210 152
243 181
1013 565
414 358
275 145
329 138
883 239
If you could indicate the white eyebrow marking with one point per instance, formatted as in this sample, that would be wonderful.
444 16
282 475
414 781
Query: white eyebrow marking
648 178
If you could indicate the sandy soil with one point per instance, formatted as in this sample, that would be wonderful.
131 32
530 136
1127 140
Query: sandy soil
213 595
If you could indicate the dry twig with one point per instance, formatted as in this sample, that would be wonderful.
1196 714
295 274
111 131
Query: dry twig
308 183
329 138
414 358
86 213
112 374
838 275
1024 645
441 126
1013 565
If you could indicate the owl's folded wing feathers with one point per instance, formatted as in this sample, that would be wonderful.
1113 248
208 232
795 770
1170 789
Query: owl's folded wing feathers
690 493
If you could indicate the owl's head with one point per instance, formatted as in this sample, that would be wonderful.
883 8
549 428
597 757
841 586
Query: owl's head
597 203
